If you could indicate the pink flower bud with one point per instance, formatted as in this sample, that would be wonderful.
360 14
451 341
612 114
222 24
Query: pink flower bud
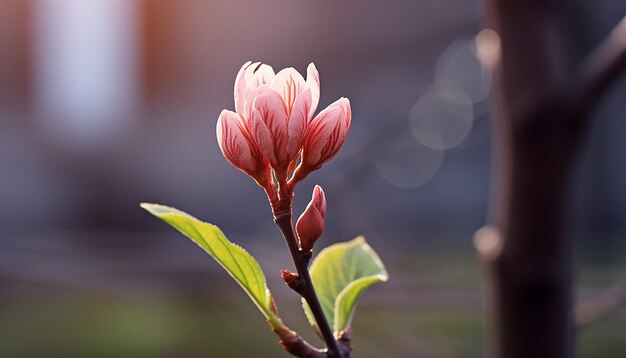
274 112
310 225
325 137
239 149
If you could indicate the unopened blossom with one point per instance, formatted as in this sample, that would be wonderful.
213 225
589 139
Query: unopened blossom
239 148
276 109
310 225
324 137
274 114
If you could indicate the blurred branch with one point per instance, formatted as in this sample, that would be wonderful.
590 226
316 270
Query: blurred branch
601 68
529 266
593 310
538 127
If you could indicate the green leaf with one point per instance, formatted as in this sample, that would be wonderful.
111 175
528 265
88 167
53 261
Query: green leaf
340 274
233 258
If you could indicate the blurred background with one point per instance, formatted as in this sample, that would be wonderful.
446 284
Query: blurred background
108 103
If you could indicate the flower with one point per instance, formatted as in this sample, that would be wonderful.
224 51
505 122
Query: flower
310 225
272 124
276 109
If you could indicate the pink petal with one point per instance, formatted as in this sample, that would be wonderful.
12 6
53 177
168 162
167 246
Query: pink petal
288 83
320 134
233 142
313 81
326 134
271 126
251 94
240 87
263 138
319 200
298 120
344 103
263 74
250 77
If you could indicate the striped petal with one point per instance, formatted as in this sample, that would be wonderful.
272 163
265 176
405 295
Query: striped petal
241 87
326 134
288 83
270 130
298 121
233 142
313 81
250 77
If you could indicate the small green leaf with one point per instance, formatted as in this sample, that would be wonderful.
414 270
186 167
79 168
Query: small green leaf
340 273
233 258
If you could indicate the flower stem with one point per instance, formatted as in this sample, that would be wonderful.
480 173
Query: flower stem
283 218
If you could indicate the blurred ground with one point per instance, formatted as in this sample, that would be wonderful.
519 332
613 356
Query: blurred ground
147 304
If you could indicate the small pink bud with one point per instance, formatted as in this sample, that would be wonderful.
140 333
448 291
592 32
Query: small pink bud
239 149
310 225
324 137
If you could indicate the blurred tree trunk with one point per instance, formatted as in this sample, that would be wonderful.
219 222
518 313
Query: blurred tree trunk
540 114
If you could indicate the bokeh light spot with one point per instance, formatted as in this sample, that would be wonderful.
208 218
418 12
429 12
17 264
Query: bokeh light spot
459 69
441 119
488 47
407 164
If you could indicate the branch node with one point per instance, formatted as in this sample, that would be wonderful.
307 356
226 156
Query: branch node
296 346
293 281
